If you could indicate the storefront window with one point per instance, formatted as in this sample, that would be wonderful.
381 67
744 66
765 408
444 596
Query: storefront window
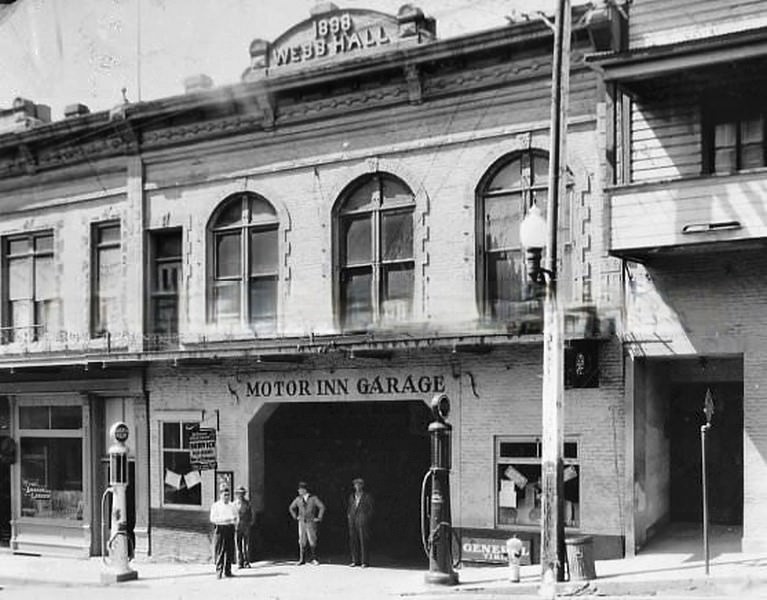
51 460
518 482
181 483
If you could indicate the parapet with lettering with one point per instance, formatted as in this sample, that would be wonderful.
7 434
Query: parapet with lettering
331 34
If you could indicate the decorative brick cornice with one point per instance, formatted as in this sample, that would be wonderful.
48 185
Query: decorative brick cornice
66 153
201 130
368 98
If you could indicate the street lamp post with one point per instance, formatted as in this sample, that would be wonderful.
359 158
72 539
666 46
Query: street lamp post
536 234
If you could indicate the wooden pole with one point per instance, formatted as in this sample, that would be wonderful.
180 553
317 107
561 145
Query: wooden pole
552 521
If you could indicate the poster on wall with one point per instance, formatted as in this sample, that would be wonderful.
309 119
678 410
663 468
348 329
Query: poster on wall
202 448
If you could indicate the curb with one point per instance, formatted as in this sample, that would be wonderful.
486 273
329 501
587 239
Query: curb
725 586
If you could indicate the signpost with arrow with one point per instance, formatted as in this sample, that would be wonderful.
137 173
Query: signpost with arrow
708 410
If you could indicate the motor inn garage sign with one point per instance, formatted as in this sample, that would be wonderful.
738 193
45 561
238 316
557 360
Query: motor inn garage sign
374 385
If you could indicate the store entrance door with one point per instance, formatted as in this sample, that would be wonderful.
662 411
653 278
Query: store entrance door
5 501
724 453
327 445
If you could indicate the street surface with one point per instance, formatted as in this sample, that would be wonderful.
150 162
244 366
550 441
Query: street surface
66 579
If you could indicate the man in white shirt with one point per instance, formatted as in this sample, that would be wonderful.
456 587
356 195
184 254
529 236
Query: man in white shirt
223 515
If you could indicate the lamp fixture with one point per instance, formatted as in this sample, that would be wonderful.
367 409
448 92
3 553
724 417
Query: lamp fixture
532 235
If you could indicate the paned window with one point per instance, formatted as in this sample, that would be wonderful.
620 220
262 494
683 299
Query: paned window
165 283
245 263
375 253
518 482
31 303
106 278
51 461
504 197
181 483
736 139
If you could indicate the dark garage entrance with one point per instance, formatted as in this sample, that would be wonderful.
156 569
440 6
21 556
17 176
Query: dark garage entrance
327 444
724 453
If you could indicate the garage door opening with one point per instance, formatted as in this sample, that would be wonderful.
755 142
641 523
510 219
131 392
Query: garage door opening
724 449
327 445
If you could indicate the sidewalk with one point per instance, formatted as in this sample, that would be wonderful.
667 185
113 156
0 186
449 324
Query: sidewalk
660 574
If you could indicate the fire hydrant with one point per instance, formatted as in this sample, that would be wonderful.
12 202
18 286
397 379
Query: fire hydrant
514 552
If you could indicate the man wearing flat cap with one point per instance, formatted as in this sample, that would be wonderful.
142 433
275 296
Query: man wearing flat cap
308 510
359 513
242 531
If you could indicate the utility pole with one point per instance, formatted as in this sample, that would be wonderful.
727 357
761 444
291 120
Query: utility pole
552 509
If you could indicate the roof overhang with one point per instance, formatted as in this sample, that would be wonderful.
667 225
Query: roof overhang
652 62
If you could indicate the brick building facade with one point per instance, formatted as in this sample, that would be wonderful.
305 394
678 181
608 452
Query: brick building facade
298 263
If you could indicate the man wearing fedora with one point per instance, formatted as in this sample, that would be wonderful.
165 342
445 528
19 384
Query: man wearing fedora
359 514
308 510
242 531
223 515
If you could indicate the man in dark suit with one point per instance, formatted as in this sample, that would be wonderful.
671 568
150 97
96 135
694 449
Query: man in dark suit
359 512
308 510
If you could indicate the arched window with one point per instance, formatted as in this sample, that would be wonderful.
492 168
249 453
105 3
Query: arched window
504 196
375 252
245 262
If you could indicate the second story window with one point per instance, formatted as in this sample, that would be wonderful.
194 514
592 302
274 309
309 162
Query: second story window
503 197
245 263
165 283
30 304
735 137
375 253
106 280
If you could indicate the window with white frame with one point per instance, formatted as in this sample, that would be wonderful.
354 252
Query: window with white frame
245 262
106 279
376 263
31 304
181 482
518 482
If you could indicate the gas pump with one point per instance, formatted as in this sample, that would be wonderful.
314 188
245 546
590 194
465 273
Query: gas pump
435 507
116 567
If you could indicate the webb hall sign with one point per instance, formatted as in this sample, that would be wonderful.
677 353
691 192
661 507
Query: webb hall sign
376 385
333 34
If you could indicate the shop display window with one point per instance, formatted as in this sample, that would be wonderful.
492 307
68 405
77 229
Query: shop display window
51 461
181 483
518 482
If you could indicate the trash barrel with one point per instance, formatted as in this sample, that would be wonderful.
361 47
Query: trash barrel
580 558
